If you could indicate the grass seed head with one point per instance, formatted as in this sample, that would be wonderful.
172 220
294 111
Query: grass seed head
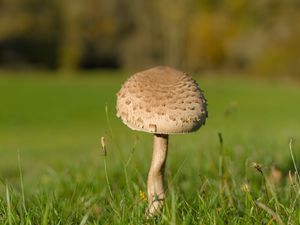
258 167
103 145
245 187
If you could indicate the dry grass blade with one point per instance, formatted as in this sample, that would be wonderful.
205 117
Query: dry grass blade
292 155
270 212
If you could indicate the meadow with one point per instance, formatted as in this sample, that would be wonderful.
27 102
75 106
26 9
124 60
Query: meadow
237 169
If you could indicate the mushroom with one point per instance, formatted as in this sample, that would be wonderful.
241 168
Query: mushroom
162 101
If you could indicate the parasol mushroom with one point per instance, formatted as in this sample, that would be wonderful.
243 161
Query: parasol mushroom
162 101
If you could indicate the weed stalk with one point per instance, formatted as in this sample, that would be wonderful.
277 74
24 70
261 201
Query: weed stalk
104 152
221 160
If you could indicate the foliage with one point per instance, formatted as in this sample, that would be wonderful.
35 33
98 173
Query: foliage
254 36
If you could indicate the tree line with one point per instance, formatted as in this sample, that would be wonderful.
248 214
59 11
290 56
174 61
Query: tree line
260 36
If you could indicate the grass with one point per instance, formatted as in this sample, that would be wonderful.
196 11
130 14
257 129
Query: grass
240 168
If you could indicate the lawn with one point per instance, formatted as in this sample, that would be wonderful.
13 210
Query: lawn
52 169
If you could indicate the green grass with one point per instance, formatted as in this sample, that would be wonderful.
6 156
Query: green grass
52 170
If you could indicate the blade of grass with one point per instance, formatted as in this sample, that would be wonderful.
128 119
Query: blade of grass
84 219
127 164
45 216
108 121
22 184
296 176
270 212
292 155
9 213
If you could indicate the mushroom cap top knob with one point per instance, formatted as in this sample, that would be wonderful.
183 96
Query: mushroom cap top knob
162 100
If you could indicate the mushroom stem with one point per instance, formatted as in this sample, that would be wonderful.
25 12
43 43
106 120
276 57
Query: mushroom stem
155 182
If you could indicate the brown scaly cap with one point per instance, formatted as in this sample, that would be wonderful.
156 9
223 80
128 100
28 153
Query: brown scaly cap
161 100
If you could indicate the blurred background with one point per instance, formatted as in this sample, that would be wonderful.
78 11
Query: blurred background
51 105
253 37
63 61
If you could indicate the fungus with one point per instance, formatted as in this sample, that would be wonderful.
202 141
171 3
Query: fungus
175 117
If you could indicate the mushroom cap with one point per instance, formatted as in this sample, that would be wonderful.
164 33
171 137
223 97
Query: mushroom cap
161 100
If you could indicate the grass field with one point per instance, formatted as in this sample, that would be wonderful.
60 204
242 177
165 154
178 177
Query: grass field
52 170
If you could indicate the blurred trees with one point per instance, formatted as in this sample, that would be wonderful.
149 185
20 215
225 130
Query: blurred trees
29 32
259 36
